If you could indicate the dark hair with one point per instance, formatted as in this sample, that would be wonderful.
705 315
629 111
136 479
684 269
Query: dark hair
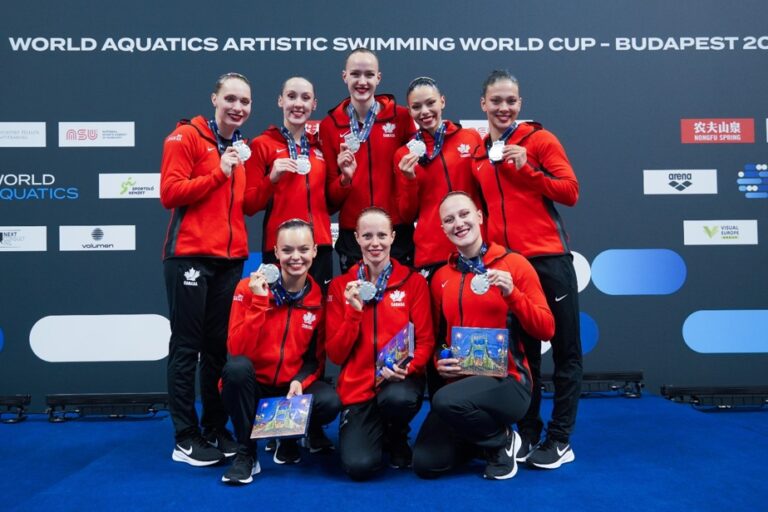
456 193
296 224
226 76
361 49
282 88
498 75
419 82
375 209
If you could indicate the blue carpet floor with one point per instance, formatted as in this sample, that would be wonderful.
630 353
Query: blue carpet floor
645 454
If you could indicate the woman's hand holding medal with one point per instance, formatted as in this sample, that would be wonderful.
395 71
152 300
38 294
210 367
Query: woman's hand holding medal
407 165
352 295
347 164
280 167
502 279
514 154
258 284
229 159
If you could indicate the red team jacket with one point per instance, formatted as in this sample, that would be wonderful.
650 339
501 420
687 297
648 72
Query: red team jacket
455 304
373 182
207 218
293 196
419 199
358 335
520 202
285 342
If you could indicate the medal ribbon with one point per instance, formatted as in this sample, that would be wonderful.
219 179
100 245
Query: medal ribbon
354 123
221 142
283 296
439 138
292 143
474 265
381 281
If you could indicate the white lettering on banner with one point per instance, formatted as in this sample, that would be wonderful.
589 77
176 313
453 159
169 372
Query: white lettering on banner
23 238
22 135
129 186
720 232
96 134
97 238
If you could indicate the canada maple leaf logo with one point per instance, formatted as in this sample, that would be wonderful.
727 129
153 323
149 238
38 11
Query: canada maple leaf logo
397 296
191 274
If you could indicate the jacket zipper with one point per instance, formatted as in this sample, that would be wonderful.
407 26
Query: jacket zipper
282 345
461 292
309 201
229 215
370 170
445 171
503 210
375 340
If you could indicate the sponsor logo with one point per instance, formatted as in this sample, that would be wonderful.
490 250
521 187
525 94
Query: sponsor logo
281 150
558 299
23 238
22 135
560 452
679 181
464 150
479 125
88 134
173 138
97 238
389 129
312 127
190 277
397 297
238 297
753 181
129 186
307 320
717 131
720 232
31 187
185 451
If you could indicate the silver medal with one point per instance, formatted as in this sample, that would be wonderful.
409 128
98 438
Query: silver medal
417 147
367 290
302 165
271 273
496 153
243 151
352 142
480 284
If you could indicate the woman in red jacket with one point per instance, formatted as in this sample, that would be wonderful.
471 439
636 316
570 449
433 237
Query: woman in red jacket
440 162
286 176
482 286
202 180
367 307
276 348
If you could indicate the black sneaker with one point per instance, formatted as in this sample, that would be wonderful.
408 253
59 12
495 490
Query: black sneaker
242 470
271 445
316 441
527 445
287 452
223 441
501 461
196 451
551 455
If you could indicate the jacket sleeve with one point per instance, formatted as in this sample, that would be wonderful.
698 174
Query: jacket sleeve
258 187
246 320
550 172
527 300
335 192
313 366
421 316
407 190
346 321
177 186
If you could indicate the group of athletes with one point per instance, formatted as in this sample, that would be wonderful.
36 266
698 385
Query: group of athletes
488 250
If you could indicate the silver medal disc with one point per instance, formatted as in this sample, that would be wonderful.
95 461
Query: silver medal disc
480 284
271 273
302 165
496 153
352 142
243 151
417 147
367 290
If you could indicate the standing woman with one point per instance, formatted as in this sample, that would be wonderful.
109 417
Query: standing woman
360 136
523 171
286 176
367 306
276 348
486 286
202 180
440 162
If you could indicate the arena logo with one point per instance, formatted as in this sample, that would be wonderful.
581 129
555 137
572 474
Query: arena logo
23 238
30 187
679 181
717 131
129 186
720 232
22 135
97 238
96 134
753 181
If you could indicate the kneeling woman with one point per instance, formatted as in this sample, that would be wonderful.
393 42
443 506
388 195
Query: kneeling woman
366 308
476 411
276 348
